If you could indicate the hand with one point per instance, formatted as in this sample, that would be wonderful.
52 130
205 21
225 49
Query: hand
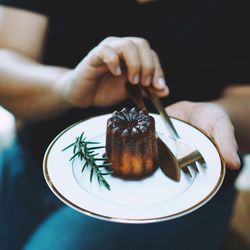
100 77
213 119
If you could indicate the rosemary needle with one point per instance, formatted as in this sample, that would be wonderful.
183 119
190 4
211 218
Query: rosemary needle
85 150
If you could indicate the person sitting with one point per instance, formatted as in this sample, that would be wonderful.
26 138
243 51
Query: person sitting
64 61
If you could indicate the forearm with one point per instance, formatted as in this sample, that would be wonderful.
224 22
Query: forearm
237 105
28 89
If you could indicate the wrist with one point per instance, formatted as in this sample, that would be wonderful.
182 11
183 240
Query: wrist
228 105
60 88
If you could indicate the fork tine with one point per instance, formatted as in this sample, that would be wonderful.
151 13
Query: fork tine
194 167
186 171
202 162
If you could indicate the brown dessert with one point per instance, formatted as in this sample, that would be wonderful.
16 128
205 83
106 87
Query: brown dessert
131 144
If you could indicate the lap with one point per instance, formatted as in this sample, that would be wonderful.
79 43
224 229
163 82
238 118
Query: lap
24 197
28 214
203 229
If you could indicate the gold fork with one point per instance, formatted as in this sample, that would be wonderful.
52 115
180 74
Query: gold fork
187 154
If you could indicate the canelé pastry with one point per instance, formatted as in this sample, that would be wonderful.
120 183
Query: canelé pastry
131 144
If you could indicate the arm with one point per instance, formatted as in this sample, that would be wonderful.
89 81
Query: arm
31 90
27 87
23 80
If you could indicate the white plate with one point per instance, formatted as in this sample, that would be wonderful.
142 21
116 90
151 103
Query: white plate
156 198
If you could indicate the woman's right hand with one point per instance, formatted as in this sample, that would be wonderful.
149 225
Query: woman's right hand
99 79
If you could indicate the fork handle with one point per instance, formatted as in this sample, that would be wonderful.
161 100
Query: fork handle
189 158
166 119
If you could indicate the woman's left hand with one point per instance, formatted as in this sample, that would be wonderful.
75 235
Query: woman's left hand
213 119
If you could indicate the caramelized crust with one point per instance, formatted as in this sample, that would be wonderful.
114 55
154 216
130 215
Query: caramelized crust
131 144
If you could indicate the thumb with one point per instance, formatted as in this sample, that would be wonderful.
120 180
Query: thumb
178 110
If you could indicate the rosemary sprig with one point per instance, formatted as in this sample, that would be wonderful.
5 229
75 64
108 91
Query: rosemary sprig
85 150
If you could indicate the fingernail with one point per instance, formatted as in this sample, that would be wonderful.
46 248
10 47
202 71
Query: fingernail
147 81
118 70
135 79
161 83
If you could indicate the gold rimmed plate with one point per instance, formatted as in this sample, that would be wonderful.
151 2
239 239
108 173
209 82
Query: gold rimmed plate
153 199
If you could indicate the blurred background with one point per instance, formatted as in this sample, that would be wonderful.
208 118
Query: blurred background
238 237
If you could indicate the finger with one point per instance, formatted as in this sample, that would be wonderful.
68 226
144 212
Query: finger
104 54
223 134
147 62
158 79
130 54
161 93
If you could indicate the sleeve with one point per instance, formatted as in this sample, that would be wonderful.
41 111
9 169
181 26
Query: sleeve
239 69
38 6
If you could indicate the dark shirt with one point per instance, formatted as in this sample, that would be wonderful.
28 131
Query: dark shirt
203 45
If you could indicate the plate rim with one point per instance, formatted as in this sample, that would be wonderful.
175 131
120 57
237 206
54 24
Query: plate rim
127 220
